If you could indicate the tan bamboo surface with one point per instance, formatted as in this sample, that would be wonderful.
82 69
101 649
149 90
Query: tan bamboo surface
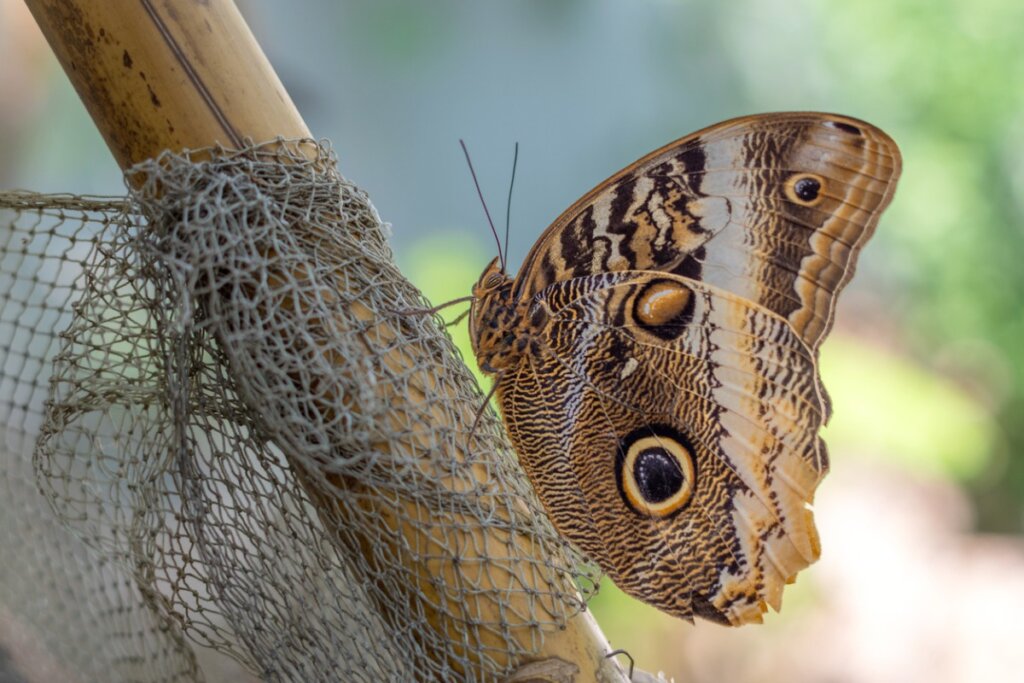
176 74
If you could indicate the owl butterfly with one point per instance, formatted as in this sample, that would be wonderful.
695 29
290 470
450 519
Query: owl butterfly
655 359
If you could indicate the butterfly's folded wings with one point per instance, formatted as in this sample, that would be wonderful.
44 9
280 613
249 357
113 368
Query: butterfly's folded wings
671 423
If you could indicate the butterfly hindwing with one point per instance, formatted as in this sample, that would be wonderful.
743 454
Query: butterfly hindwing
720 385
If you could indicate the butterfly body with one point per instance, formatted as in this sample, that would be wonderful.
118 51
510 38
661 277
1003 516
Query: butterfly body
656 356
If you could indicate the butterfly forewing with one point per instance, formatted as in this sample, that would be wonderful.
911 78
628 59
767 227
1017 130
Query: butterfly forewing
774 208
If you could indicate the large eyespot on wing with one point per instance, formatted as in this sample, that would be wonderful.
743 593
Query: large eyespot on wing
774 207
655 471
679 451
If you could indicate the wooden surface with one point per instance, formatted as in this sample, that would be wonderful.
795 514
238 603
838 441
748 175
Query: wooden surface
167 74
175 74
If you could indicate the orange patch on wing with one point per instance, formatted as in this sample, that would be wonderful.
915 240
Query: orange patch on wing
662 303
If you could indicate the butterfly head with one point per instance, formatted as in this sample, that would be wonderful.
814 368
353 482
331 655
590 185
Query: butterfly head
493 319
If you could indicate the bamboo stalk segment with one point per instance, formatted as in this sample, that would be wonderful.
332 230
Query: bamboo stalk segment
167 74
173 74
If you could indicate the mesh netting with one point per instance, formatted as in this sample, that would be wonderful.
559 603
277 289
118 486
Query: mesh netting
222 427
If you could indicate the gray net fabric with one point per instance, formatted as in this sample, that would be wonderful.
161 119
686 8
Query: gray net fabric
222 428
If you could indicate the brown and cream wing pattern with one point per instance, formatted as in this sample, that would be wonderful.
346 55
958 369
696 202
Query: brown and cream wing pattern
677 446
773 207
655 359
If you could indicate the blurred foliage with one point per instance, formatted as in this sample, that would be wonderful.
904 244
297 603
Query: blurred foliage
885 407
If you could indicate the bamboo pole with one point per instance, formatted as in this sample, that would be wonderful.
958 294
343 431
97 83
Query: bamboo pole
174 74
167 74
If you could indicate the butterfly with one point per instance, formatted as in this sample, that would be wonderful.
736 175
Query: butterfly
656 358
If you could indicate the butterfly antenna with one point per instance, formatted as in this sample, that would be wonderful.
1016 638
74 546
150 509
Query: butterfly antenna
508 206
501 256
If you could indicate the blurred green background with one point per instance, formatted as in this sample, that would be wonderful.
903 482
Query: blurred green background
926 364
